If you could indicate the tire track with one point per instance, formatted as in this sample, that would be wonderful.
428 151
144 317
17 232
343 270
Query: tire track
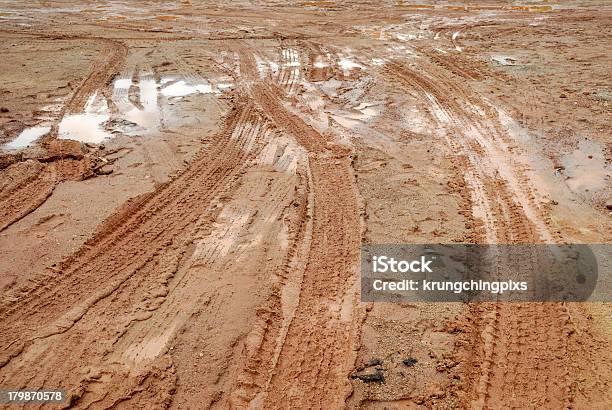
315 349
107 64
25 187
16 200
119 278
514 350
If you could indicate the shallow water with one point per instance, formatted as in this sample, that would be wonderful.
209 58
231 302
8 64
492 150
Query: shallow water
586 168
26 137
320 62
347 64
181 89
291 58
88 126
84 128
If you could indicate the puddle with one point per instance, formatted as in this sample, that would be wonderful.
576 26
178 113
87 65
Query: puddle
321 3
181 89
320 62
362 113
84 128
399 49
273 66
87 127
153 98
262 66
586 168
50 112
603 95
347 65
225 86
291 57
148 116
123 83
140 113
26 137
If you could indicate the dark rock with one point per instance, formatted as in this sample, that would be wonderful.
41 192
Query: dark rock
377 377
370 372
372 363
411 361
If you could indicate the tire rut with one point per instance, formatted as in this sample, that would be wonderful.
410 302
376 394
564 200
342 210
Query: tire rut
316 354
119 277
506 343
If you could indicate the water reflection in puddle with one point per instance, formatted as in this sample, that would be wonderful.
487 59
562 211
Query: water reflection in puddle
143 112
147 113
26 137
291 57
139 108
89 126
347 65
84 128
181 89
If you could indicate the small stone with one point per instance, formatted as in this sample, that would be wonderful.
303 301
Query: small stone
373 362
411 361
377 377
609 205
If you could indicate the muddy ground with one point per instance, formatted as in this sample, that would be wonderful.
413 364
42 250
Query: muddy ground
184 187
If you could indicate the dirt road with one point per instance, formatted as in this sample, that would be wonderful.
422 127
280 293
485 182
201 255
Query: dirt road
184 189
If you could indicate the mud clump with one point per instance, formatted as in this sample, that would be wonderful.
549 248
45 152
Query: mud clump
63 148
7 159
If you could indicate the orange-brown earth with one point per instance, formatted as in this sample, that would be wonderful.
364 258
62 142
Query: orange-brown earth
183 228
